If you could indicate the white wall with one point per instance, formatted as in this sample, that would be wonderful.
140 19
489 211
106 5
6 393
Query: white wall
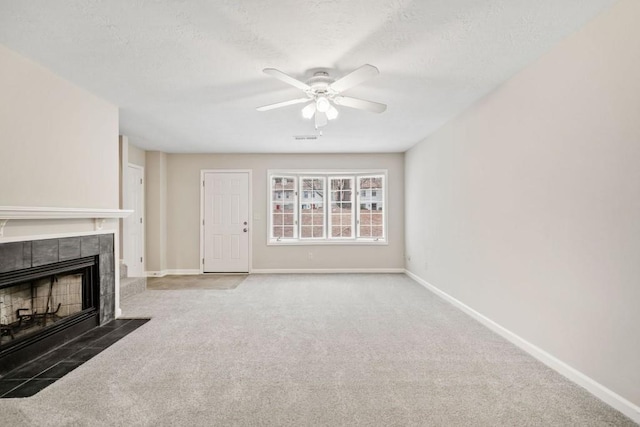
59 143
527 207
183 212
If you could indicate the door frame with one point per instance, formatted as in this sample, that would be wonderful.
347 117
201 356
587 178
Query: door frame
249 172
126 191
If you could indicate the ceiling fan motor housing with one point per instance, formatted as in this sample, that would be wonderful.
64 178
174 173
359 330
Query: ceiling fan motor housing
320 84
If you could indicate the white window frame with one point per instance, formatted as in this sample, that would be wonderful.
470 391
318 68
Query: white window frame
283 200
327 174
370 199
353 207
324 206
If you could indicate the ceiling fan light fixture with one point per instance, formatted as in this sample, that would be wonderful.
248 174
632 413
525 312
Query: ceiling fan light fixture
309 110
332 113
322 104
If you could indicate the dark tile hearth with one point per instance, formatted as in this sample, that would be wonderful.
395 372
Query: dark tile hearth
83 298
34 376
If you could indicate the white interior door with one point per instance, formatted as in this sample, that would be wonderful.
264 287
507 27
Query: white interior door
226 222
133 244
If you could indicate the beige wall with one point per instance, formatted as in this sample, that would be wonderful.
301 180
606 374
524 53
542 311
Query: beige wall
183 212
59 143
527 207
156 211
136 155
59 146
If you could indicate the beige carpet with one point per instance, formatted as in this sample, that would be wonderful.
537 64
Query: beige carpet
309 350
203 281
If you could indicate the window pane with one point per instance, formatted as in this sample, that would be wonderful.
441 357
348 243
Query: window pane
305 231
341 219
282 188
283 232
312 207
288 219
288 214
371 206
283 195
341 231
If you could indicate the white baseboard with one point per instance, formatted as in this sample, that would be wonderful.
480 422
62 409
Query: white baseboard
160 273
325 270
603 393
177 272
184 272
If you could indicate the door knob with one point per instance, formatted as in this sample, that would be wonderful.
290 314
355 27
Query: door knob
245 229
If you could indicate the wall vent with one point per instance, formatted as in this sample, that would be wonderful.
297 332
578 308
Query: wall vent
305 137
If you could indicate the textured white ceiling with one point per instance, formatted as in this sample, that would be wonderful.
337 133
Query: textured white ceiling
187 74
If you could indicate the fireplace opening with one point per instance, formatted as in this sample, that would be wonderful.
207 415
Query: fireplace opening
37 306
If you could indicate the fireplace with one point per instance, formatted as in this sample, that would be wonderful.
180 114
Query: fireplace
51 291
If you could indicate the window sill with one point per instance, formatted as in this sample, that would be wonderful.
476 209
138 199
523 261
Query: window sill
272 242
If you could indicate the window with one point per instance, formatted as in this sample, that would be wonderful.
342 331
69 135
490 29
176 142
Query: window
327 207
312 208
371 208
342 216
283 213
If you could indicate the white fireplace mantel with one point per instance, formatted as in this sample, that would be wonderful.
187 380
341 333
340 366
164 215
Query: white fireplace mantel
34 213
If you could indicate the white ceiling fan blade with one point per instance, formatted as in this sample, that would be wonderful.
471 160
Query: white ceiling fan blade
321 119
360 104
354 78
282 104
286 78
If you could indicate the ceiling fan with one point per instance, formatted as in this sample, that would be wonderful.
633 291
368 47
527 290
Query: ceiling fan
322 92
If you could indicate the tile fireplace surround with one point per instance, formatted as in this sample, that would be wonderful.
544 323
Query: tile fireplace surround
23 255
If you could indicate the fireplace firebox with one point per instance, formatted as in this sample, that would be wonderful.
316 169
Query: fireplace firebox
51 291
